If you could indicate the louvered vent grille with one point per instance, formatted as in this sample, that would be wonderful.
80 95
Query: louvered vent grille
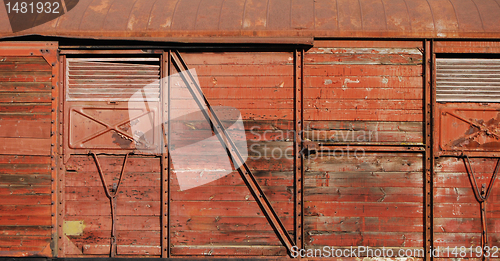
468 80
112 79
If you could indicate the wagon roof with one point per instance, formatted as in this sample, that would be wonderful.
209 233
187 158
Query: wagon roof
270 20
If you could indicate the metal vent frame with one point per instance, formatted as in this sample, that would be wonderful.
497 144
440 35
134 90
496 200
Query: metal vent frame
112 79
467 80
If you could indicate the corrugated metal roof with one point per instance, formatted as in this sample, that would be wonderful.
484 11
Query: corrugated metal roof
220 20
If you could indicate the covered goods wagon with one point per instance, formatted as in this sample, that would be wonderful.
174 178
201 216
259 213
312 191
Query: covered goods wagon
251 129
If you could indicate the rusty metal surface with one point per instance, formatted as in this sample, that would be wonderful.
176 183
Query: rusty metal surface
261 20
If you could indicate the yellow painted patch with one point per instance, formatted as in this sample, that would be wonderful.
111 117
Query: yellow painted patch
73 228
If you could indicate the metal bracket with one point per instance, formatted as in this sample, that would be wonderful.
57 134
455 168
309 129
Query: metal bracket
111 195
481 197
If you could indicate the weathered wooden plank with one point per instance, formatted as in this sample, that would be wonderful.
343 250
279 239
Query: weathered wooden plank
460 195
216 193
228 250
460 180
276 162
466 225
102 249
13 168
222 208
24 146
231 81
23 59
102 208
237 93
26 77
363 136
361 70
464 210
24 190
364 161
131 193
372 239
130 179
364 126
238 58
18 159
382 224
132 223
39 129
241 104
24 67
242 238
332 104
366 93
363 209
19 97
24 241
364 194
400 57
266 177
20 200
243 70
344 45
41 210
123 237
223 223
25 108
371 82
25 180
25 220
11 231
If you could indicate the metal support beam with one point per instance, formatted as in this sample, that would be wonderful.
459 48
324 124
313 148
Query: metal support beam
165 160
298 146
232 151
429 102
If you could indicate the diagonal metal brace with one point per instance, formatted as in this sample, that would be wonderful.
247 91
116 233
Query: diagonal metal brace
232 151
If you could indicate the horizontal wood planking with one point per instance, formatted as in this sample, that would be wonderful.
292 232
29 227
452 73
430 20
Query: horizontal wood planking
132 223
25 163
457 219
238 58
102 250
379 195
363 131
386 224
242 238
366 44
363 84
372 239
137 209
16 231
228 250
220 223
39 129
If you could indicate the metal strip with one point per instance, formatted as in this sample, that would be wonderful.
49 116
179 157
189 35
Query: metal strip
298 160
428 157
165 167
233 152
59 246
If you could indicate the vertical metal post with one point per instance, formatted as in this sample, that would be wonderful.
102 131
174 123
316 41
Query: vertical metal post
56 150
299 158
165 161
428 156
